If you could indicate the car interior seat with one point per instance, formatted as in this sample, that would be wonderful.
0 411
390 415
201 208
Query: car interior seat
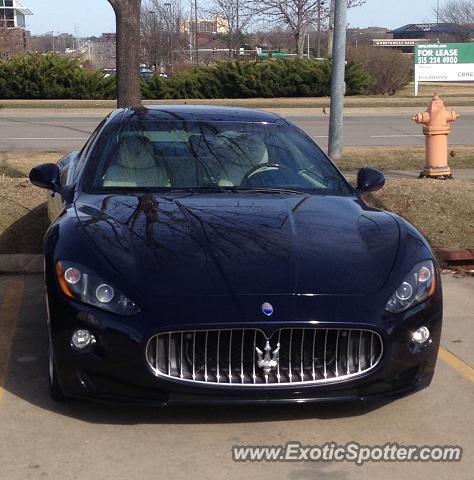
136 165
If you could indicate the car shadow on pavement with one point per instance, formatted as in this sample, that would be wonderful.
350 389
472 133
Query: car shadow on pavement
28 380
92 412
25 235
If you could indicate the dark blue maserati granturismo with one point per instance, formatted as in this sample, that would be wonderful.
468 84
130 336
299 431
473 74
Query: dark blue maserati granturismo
217 256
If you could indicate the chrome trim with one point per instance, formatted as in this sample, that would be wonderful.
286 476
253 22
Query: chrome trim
325 352
204 366
254 346
218 355
302 357
290 370
278 366
371 347
348 355
181 357
242 379
230 356
169 356
194 356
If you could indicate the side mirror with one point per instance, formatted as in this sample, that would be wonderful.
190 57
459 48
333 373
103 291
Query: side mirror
46 176
370 180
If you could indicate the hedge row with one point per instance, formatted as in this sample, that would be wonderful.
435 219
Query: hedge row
281 78
56 77
51 76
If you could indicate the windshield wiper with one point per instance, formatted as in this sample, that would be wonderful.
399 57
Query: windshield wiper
266 190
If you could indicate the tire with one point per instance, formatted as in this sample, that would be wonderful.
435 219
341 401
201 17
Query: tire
55 391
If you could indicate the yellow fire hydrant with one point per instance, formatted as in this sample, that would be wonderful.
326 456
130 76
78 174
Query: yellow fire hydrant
436 128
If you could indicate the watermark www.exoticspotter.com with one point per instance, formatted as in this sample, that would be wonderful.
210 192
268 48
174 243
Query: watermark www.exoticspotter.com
351 452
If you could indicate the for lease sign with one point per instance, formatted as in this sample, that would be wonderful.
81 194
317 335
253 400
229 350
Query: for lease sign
448 62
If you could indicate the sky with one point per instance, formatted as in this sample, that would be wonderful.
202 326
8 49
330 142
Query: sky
92 17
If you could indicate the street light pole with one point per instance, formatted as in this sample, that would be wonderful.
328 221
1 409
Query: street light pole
338 84
236 40
320 4
170 32
191 32
154 50
331 27
196 37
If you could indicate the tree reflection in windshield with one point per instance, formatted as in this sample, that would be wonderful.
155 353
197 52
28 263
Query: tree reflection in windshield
172 155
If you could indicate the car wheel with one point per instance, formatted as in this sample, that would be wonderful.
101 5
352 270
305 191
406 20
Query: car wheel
54 388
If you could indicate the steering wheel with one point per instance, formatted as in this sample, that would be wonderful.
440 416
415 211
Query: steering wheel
262 168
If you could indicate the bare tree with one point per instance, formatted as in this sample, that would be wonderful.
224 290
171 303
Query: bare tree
13 41
127 14
276 38
297 15
461 14
3 41
233 16
163 23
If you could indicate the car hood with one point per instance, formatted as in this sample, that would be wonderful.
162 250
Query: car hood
242 244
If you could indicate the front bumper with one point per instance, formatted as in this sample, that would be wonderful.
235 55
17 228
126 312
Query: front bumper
115 369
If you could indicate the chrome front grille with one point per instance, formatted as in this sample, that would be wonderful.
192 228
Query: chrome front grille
246 357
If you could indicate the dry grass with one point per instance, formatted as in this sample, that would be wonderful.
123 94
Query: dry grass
442 210
401 158
444 89
18 164
453 95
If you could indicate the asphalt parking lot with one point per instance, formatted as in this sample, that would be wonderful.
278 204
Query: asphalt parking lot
40 439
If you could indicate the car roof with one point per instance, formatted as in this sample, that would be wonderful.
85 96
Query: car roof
201 113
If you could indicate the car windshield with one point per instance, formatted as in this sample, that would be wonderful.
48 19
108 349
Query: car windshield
223 156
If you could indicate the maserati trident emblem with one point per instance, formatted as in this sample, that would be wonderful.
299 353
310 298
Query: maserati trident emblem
270 361
267 309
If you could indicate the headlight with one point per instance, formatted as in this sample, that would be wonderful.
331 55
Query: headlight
83 285
419 285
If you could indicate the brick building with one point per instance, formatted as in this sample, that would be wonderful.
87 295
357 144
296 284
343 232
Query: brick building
14 39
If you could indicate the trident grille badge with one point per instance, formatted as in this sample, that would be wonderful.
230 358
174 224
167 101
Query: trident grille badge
269 362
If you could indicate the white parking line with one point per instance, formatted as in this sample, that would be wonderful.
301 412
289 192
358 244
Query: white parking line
9 313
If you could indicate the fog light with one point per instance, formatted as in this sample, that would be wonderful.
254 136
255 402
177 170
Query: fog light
421 336
82 339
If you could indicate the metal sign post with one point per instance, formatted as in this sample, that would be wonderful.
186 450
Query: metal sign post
338 84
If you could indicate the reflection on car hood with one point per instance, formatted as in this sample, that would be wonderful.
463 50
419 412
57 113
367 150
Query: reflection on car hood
242 244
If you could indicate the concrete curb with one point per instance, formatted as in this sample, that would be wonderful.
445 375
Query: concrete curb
349 110
21 264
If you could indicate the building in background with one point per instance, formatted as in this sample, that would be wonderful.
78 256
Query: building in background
104 52
14 39
432 31
407 37
13 13
213 26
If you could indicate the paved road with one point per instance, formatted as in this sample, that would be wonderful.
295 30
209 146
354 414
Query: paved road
68 131
83 441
